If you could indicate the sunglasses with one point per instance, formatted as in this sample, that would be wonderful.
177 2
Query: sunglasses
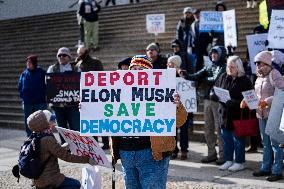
62 55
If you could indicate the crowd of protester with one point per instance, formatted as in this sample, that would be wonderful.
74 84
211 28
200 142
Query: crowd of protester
227 71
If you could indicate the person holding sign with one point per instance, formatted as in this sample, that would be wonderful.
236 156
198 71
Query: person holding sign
50 150
267 79
145 159
235 81
209 75
66 114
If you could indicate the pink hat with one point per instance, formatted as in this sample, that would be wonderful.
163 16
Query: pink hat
265 57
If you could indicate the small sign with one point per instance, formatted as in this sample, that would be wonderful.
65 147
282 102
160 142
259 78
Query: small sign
251 99
155 23
186 90
276 30
211 21
230 31
222 94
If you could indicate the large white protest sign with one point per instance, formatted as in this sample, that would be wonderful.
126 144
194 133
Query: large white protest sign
256 44
275 115
281 127
251 99
155 23
187 92
222 94
84 146
211 21
128 103
276 30
91 178
230 30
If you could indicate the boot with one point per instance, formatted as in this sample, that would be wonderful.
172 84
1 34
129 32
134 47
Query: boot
183 156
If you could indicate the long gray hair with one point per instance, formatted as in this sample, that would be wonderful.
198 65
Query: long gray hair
239 64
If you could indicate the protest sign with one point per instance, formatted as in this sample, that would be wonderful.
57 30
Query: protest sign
187 92
256 44
281 127
251 99
63 88
211 21
155 23
230 30
84 146
274 5
274 118
128 103
276 30
222 94
91 178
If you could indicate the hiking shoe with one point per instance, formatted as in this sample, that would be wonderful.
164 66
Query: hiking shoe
226 165
261 173
236 167
208 159
274 177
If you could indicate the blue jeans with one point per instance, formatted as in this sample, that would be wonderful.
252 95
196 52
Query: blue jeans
28 110
233 144
271 151
141 171
70 183
67 116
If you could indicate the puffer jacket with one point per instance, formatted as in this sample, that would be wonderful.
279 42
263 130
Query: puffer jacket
264 88
50 151
160 145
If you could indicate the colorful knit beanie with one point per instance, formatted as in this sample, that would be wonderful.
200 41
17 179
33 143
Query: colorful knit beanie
141 60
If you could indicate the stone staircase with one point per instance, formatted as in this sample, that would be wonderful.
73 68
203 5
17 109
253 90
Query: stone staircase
122 33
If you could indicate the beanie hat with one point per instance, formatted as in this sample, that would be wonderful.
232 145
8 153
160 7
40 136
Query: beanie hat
153 46
264 56
38 120
64 50
176 60
33 59
141 60
125 61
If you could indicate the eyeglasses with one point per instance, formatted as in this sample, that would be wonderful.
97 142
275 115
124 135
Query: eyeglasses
62 55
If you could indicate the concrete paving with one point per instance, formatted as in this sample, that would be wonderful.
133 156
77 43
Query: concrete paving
182 174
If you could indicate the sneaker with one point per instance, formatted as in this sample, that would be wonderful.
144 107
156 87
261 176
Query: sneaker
236 167
261 173
248 4
209 159
254 3
226 165
274 177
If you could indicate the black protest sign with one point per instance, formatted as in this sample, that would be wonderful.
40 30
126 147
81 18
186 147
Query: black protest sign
63 88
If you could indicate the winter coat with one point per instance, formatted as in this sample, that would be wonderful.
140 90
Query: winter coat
161 145
89 64
264 88
31 86
209 75
230 110
185 34
89 10
160 63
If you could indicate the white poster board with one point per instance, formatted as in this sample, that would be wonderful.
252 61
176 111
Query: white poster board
186 90
281 127
230 30
128 103
155 23
222 94
251 99
256 44
211 21
275 115
84 146
276 30
91 178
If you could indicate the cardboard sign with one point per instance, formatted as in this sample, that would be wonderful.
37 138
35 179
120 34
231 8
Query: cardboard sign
222 94
186 90
84 146
155 23
128 103
256 44
275 116
276 30
63 88
211 21
230 30
251 99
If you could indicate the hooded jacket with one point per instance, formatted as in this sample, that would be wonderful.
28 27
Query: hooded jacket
209 75
50 151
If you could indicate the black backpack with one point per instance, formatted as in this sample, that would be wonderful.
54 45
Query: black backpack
29 164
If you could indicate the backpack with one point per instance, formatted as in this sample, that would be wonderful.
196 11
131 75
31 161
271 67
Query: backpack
29 164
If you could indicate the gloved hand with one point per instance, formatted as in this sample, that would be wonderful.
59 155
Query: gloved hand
92 161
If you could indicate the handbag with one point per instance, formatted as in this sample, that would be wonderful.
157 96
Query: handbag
246 127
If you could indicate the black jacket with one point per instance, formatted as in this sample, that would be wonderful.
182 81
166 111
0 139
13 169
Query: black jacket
160 63
89 10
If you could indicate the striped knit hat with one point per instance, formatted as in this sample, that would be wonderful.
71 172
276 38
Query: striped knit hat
141 60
